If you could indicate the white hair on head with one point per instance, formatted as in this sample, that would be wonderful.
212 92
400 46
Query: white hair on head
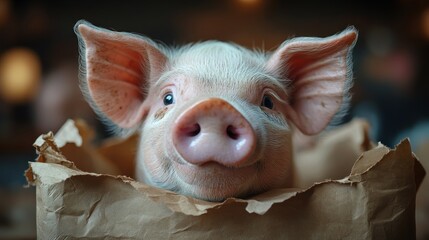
218 61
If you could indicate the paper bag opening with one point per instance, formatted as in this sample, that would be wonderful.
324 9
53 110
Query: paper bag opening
84 191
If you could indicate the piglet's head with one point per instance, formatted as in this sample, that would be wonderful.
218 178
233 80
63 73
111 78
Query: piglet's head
215 118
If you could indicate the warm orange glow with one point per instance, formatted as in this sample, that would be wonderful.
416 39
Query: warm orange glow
249 2
20 72
425 23
4 11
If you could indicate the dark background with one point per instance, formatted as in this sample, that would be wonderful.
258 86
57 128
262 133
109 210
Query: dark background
390 61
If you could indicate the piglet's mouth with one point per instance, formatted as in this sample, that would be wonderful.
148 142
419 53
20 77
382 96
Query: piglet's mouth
213 174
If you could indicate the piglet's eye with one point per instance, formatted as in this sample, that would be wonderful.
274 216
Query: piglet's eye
168 99
267 102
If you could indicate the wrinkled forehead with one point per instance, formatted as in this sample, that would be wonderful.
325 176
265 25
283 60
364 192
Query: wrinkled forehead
221 66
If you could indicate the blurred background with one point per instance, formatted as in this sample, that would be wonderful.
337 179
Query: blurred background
39 66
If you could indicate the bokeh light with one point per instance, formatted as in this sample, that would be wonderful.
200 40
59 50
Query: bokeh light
425 23
4 12
248 2
253 5
20 72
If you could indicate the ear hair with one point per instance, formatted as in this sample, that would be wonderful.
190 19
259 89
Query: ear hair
111 127
348 83
320 74
152 63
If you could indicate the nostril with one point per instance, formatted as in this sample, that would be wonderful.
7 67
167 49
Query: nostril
212 130
194 130
231 131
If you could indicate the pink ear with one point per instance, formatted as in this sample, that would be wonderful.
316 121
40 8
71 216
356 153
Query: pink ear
319 71
118 68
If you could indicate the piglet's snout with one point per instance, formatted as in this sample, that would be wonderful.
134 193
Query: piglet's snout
214 131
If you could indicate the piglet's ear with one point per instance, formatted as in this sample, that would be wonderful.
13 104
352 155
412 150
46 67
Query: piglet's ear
318 74
117 68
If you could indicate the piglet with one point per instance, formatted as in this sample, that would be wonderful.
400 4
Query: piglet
215 118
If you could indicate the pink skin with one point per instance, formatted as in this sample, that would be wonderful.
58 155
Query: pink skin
214 131
218 169
227 130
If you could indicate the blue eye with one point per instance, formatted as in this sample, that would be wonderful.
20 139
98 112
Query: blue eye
168 99
267 102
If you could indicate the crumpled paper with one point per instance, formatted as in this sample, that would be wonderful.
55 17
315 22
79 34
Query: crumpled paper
376 200
330 154
422 198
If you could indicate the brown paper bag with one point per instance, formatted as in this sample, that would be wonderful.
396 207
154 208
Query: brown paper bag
330 154
375 201
422 198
